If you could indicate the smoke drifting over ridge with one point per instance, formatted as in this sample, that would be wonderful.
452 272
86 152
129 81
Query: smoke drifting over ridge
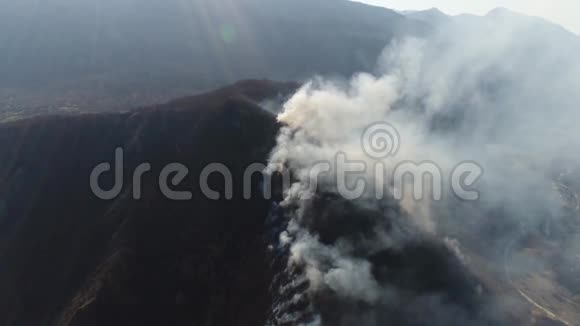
501 91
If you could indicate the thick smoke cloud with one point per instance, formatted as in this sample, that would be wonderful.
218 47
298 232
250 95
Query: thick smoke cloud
501 91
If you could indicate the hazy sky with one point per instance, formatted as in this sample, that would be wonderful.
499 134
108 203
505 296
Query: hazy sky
563 12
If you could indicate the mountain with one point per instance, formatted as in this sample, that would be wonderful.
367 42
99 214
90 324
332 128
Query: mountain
69 258
116 54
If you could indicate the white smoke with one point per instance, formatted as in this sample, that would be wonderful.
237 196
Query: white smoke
502 91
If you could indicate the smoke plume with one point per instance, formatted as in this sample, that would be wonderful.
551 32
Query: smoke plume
500 91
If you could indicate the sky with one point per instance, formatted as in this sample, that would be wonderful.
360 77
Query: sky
562 12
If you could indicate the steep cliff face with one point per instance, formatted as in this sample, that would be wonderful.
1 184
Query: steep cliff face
69 258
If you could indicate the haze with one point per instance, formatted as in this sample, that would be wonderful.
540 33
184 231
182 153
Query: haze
562 12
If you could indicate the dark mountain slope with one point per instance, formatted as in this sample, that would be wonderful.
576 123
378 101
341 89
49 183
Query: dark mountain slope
69 258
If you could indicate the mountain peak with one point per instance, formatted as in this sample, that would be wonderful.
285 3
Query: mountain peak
430 15
500 11
426 11
434 11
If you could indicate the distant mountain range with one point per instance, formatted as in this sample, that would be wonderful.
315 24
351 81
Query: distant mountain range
118 53
107 56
